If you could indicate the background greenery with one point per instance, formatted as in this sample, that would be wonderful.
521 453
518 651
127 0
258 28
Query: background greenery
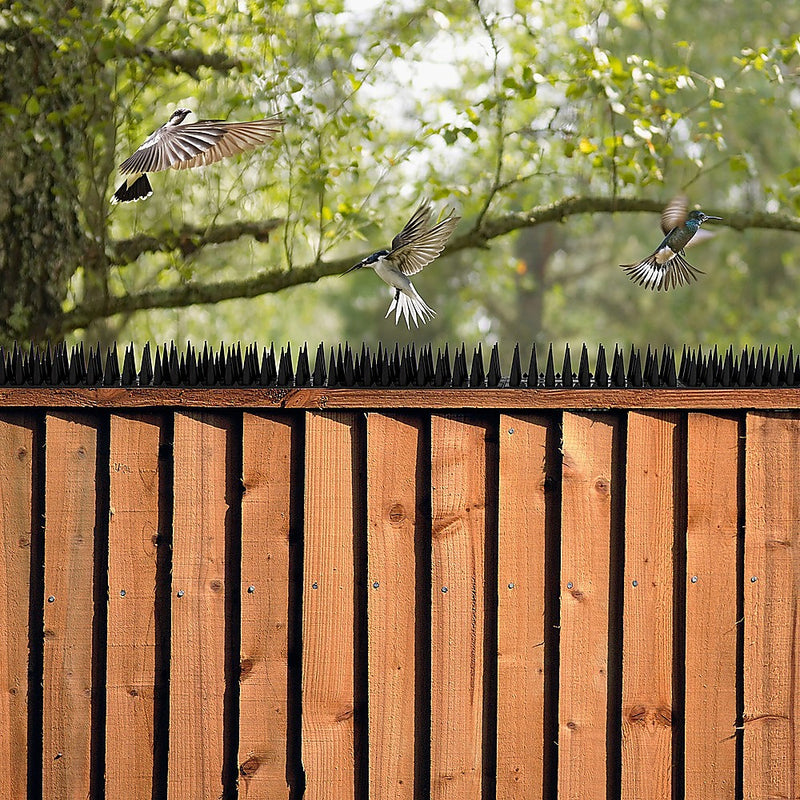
558 130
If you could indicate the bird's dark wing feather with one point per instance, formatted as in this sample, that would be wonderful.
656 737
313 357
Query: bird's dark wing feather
675 213
198 143
418 252
418 222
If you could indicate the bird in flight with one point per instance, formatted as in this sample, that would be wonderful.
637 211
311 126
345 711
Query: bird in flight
413 248
667 266
195 144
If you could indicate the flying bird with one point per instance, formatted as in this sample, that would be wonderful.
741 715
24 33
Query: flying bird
195 144
413 248
667 266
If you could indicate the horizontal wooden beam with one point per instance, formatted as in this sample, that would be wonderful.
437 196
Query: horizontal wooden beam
274 398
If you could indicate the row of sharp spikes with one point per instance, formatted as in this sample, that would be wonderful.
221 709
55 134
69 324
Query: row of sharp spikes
398 368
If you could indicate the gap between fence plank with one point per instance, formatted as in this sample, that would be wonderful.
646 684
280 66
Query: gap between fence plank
71 442
648 606
771 598
16 503
328 731
586 532
266 521
132 550
197 680
458 597
712 448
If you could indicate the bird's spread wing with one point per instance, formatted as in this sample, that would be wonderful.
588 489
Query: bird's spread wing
652 275
418 222
417 251
198 144
675 213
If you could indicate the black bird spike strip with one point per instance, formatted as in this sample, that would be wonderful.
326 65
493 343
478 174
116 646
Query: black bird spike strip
344 366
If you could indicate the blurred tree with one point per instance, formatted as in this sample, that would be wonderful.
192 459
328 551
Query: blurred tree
525 115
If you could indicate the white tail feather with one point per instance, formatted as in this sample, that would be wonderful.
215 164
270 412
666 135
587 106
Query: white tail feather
410 305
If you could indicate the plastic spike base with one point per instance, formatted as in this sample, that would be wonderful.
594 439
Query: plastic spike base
346 367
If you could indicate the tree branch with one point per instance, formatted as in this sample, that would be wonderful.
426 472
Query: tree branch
274 280
188 239
189 60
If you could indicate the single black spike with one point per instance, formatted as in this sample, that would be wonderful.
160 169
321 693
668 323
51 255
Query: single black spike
47 362
349 374
515 376
332 373
773 376
584 373
146 367
3 370
651 375
460 376
550 371
790 379
532 380
617 370
129 367
476 374
758 372
172 373
494 375
600 369
320 374
440 376
285 367
35 370
303 374
17 366
567 379
54 376
94 373
635 379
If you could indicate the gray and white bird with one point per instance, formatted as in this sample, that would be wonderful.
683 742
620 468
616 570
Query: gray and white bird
413 248
666 266
195 144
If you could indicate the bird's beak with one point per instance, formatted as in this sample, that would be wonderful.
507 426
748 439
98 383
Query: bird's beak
708 218
355 266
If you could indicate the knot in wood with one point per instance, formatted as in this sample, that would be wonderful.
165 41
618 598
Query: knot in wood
21 453
602 486
397 513
215 585
651 716
250 767
246 667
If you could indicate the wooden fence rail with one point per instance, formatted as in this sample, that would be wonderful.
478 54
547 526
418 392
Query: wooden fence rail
402 603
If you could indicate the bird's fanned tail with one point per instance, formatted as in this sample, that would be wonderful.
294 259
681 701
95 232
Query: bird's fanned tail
410 305
138 190
652 275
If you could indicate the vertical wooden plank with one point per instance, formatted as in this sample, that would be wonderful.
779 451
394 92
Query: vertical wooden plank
133 538
16 489
266 520
771 619
458 498
647 614
713 518
197 677
393 489
522 509
328 606
71 446
586 531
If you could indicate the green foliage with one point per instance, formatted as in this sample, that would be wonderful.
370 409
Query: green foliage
496 108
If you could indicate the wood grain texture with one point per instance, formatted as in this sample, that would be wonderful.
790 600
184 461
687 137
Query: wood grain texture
586 531
266 519
520 612
647 615
71 443
394 522
130 672
328 606
16 491
771 619
713 466
197 679
458 499
338 399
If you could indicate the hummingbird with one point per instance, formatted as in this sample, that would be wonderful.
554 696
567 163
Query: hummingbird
413 248
667 266
195 144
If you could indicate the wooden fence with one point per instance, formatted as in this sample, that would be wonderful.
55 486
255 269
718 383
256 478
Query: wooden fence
399 594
